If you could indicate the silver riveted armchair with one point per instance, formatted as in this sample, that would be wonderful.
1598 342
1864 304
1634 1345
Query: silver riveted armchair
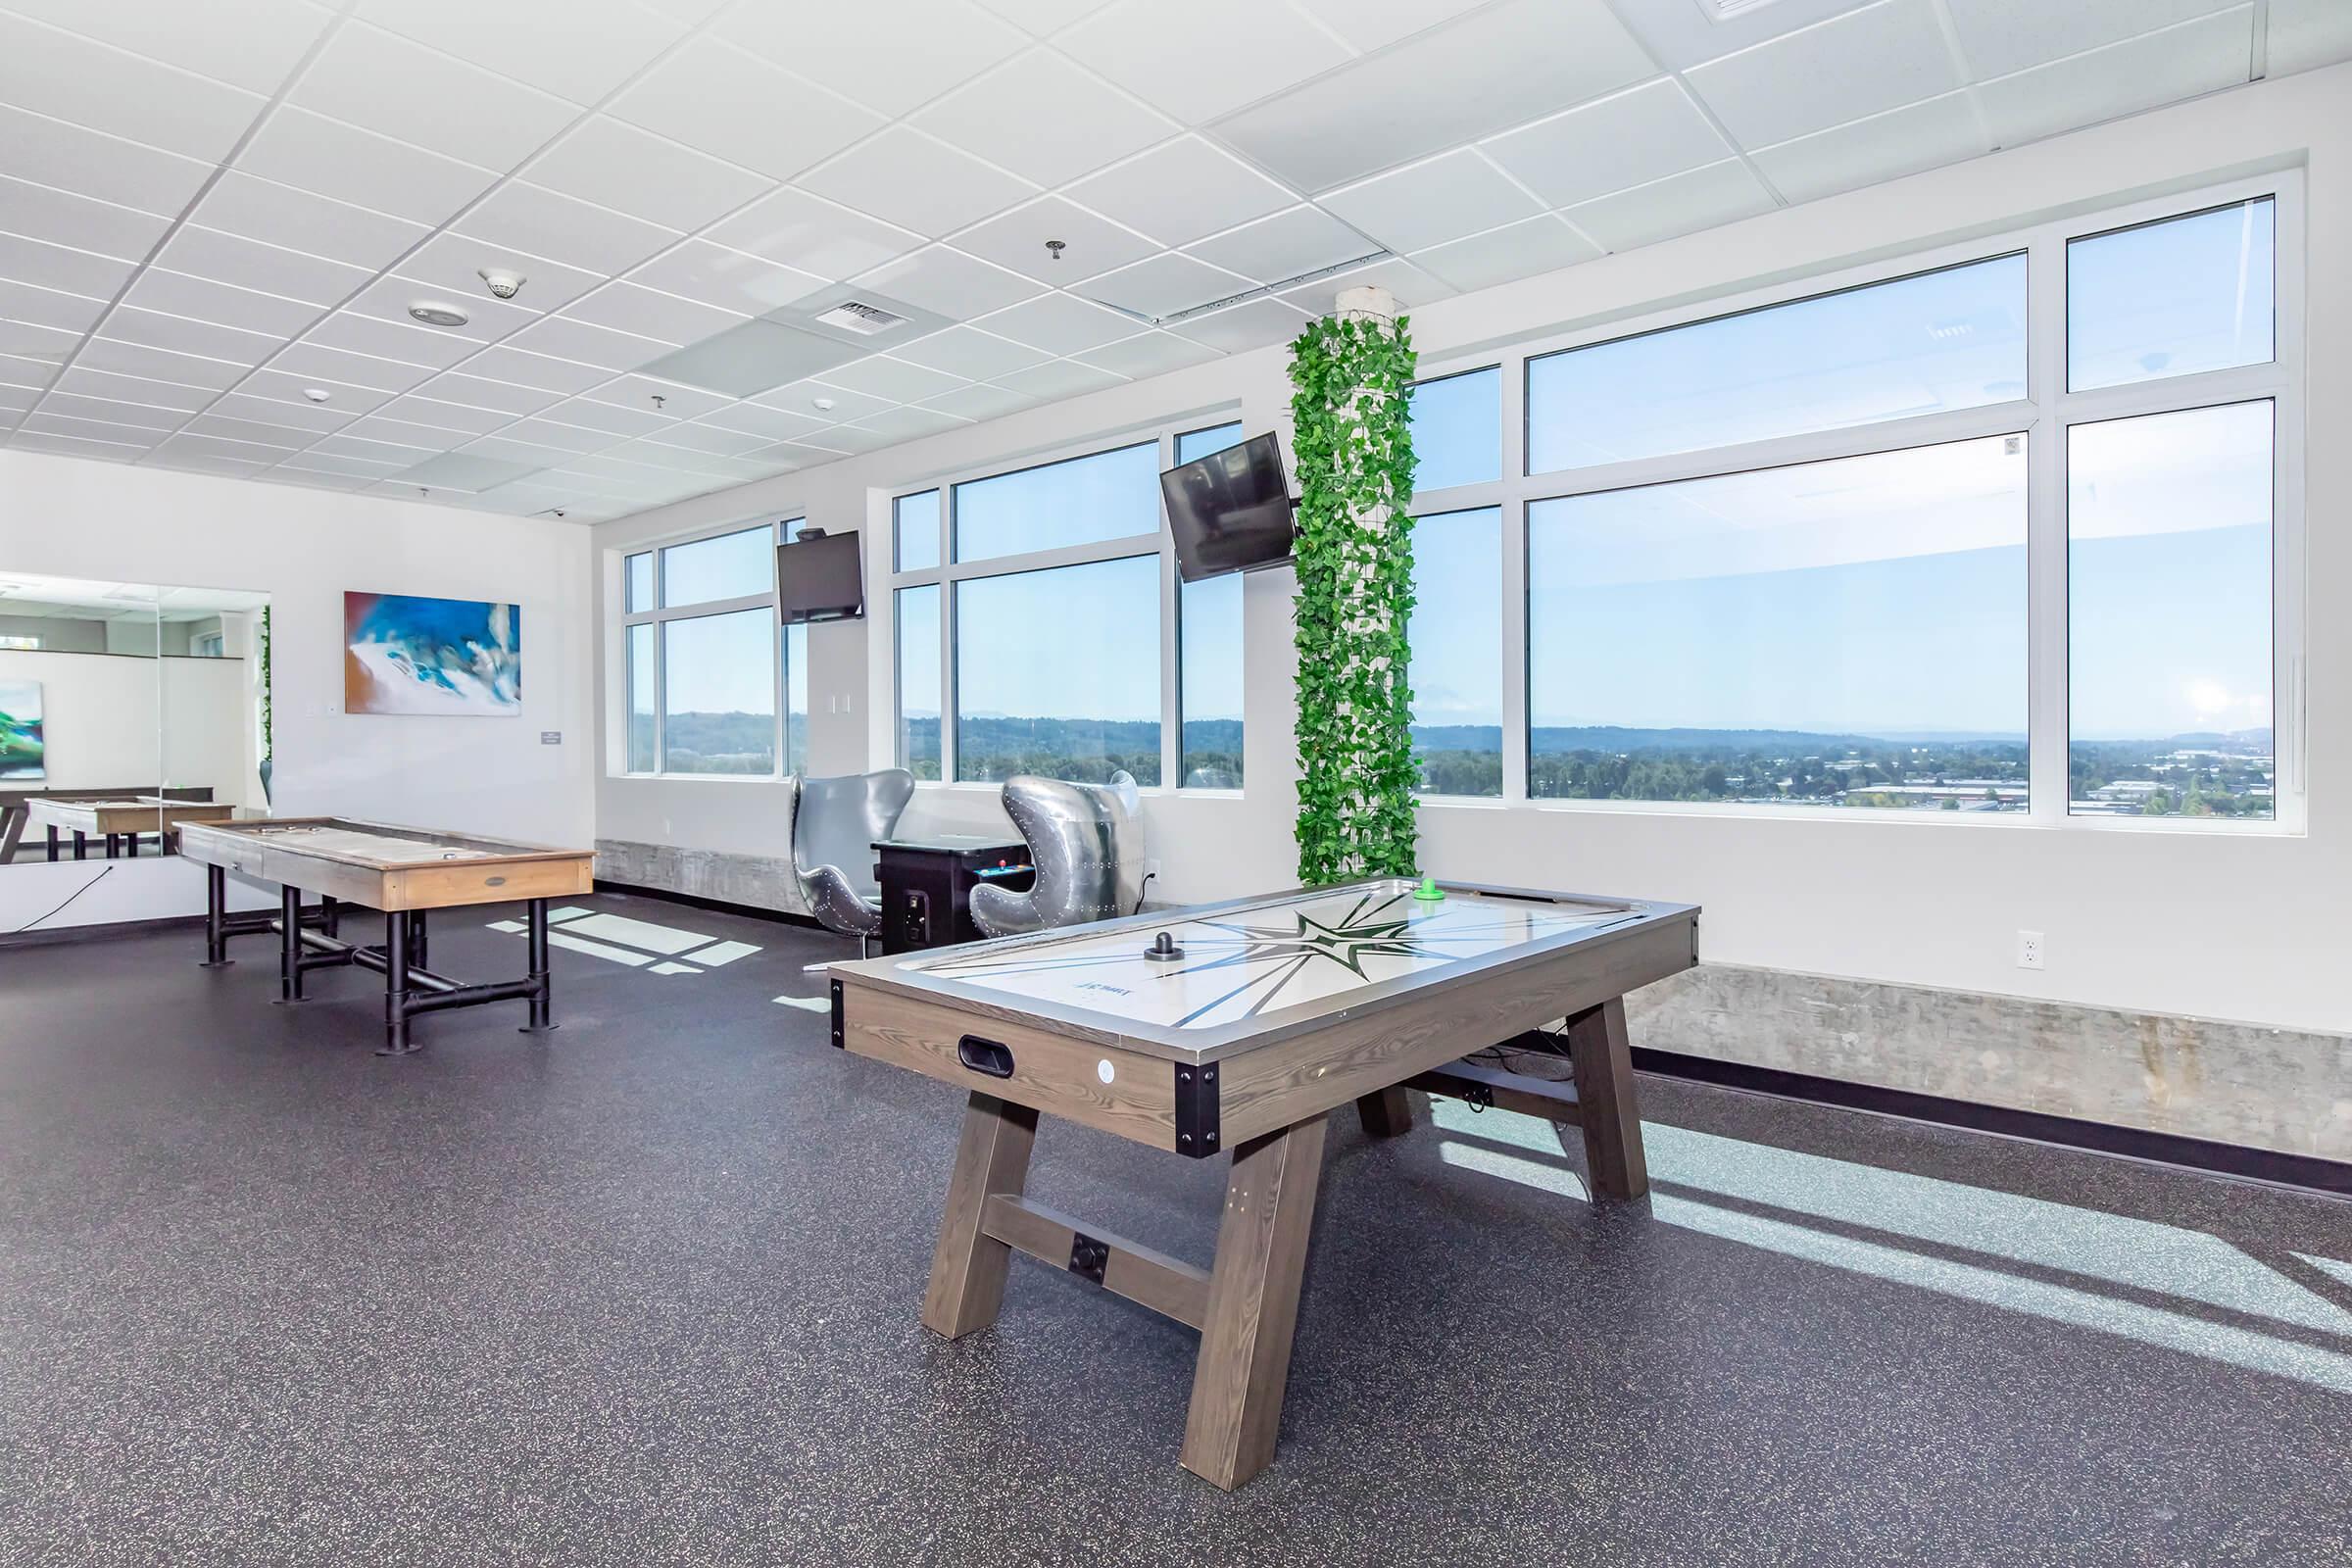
834 824
1087 843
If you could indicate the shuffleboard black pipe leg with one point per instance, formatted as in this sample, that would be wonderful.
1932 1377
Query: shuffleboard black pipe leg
543 985
81 845
215 917
52 846
418 953
396 986
289 943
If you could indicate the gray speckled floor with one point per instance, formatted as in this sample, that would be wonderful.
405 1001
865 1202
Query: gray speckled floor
643 1293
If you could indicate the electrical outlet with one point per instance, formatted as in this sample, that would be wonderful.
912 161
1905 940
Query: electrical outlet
2028 950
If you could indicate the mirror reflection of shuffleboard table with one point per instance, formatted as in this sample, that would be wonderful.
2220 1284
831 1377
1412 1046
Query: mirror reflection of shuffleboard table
118 821
1238 1035
404 873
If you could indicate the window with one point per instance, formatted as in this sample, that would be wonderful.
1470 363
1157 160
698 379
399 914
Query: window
1455 634
915 524
2169 624
1209 654
1058 673
712 685
1791 635
919 706
1458 429
1937 341
1080 501
2171 297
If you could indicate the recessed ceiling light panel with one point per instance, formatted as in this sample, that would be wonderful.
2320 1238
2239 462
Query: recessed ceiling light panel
439 313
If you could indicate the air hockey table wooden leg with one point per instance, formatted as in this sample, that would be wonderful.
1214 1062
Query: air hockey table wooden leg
1244 1361
968 1266
1601 1054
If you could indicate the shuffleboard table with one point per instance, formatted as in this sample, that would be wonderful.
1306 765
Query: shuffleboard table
1234 1029
402 872
116 821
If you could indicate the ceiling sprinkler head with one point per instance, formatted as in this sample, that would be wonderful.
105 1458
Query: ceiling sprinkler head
316 394
502 285
658 400
439 313
1055 248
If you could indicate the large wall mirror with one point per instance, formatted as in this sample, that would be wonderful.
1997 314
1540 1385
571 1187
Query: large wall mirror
126 710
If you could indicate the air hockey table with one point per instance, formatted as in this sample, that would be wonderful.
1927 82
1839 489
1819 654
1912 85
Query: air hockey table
1234 1029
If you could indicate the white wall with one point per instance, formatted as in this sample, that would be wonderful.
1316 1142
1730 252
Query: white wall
2241 927
67 516
99 725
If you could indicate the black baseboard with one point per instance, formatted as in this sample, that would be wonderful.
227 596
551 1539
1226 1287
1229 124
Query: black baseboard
749 911
2105 1137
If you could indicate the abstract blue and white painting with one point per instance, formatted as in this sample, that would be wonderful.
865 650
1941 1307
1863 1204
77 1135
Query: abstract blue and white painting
404 655
20 747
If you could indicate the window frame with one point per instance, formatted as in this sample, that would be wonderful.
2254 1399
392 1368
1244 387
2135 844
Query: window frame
952 572
661 613
2043 415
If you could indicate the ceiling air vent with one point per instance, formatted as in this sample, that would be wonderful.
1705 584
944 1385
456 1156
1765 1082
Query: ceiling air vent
855 316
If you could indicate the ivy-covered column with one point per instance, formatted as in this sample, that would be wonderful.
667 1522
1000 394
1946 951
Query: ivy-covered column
1355 591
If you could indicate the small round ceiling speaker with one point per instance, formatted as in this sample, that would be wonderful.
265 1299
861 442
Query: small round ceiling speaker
439 313
316 394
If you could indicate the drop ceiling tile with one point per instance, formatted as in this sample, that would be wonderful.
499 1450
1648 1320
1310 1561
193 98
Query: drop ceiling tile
53 309
285 437
1302 239
587 344
180 335
1061 324
1630 139
1902 141
528 455
305 221
969 352
1862 62
1719 193
392 340
156 365
73 446
583 236
1181 191
909 179
503 362
63 75
733 105
1499 67
822 238
1148 354
323 364
75 407
65 157
895 379
382 82
2156 68
326 157
321 419
289 386
2307 33
1044 18
220 449
1021 116
29 340
576 49
452 265
37 262
1369 25
473 469
391 455
1091 245
1165 285
731 280
1221 55
179 294
1250 326
948 283
1410 286
1429 203
407 433
480 392
584 413
1516 249
911 423
981 402
1999 37
332 464
17 370
250 263
803 397
268 41
843 438
708 438
635 171
753 418
650 313
1061 378
892 55
64 217
678 402
681 460
46 424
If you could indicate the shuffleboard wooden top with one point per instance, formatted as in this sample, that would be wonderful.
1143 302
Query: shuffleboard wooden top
369 845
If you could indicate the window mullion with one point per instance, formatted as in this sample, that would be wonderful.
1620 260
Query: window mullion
2048 769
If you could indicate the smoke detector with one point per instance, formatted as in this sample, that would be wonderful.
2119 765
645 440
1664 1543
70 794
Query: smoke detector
855 316
439 313
502 285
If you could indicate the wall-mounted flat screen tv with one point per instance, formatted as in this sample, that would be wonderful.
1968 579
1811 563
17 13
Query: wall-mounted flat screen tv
819 576
1229 510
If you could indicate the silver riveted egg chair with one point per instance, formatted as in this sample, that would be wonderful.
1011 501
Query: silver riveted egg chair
1087 843
834 824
